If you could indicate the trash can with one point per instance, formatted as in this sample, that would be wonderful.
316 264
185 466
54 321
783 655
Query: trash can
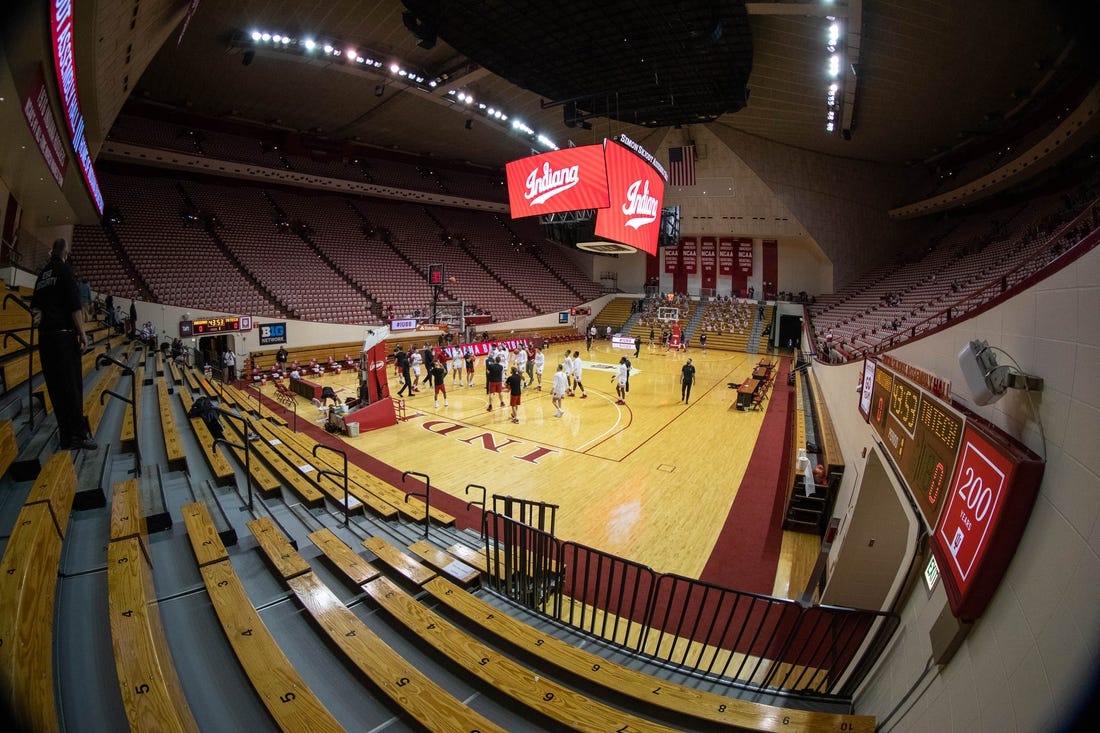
353 429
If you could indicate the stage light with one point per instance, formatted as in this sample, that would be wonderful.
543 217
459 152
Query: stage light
277 38
433 84
833 37
834 65
256 35
394 68
265 36
309 44
328 48
350 53
286 40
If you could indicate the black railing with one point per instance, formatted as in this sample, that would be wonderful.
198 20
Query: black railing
740 639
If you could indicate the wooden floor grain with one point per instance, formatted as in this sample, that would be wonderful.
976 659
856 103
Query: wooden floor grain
652 480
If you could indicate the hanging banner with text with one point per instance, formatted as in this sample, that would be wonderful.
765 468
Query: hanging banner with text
672 258
708 253
725 255
43 127
691 254
744 255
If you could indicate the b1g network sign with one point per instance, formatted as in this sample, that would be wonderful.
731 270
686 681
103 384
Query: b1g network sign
624 189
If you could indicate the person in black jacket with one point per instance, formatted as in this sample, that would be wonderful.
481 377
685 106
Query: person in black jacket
56 311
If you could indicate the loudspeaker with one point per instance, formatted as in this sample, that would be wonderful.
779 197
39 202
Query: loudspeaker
978 366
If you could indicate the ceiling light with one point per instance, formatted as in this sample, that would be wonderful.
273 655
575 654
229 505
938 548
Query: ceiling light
265 36
277 38
286 40
350 53
328 48
256 35
394 68
834 65
433 83
309 44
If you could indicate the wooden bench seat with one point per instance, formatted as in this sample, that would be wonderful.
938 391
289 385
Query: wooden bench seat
393 558
566 706
173 446
277 548
470 556
55 487
9 445
129 429
305 489
348 560
223 472
28 585
289 700
266 482
403 683
455 569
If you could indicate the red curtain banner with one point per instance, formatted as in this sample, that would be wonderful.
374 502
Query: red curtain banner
744 255
725 255
708 247
691 257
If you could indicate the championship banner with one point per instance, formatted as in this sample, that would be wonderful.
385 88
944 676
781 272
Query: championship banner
41 123
744 255
672 257
691 256
707 253
635 189
562 180
725 255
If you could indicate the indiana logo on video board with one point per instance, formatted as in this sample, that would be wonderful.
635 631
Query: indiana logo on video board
562 180
636 189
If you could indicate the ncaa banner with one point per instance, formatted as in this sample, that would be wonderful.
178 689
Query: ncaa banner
707 259
672 258
744 255
725 255
562 180
636 189
690 261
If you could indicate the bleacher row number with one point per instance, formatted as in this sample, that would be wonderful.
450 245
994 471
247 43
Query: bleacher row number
288 697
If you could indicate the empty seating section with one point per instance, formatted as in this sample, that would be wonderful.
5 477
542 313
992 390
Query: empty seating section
319 257
970 262
181 263
281 260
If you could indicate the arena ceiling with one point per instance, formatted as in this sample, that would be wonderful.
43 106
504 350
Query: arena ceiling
930 73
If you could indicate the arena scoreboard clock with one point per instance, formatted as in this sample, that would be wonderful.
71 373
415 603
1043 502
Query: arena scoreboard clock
204 326
973 484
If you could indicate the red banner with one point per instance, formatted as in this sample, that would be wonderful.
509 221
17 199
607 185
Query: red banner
708 247
744 255
633 215
725 255
691 257
562 180
43 127
672 258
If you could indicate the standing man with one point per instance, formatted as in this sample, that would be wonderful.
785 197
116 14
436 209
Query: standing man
280 359
578 368
703 341
608 333
686 380
539 362
494 373
55 310
531 363
437 373
133 320
521 362
557 390
620 381
637 346
402 361
470 359
515 390
230 361
568 362
591 335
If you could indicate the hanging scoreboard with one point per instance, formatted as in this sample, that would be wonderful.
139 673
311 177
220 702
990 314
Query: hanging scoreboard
973 484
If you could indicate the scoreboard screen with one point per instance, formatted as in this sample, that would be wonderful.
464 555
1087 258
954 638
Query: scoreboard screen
921 433
202 326
973 484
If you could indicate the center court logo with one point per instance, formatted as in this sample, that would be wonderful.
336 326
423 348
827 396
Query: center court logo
640 206
541 189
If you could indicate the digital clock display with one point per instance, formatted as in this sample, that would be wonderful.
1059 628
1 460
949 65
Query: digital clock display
213 325
921 433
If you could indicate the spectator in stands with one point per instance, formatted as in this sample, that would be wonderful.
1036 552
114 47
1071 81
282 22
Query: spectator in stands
280 359
56 312
515 390
687 378
229 359
86 298
607 333
133 319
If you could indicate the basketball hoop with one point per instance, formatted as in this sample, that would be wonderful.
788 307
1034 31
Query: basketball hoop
668 315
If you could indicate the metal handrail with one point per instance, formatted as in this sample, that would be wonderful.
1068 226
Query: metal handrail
30 361
127 371
427 497
469 504
247 430
327 472
743 639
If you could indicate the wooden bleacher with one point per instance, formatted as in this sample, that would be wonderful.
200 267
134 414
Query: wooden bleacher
28 585
9 445
173 446
404 684
152 695
289 700
596 670
223 472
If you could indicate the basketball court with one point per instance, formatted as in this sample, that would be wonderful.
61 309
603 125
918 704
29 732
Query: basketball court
652 480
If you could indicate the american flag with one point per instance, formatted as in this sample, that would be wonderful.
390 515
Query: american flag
681 166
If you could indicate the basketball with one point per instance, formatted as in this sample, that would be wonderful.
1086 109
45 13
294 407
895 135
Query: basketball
452 280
